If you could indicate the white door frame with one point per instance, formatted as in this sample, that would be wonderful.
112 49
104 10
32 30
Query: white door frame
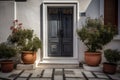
46 58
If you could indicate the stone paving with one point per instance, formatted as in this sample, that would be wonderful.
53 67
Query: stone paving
57 74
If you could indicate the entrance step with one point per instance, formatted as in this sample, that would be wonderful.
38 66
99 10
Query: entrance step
25 66
60 60
91 68
48 65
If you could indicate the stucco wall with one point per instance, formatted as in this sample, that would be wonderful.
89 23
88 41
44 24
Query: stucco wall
29 14
6 18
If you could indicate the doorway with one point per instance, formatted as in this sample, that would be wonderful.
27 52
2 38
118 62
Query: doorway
60 31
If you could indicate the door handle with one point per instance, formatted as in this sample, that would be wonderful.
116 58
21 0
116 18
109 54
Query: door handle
60 33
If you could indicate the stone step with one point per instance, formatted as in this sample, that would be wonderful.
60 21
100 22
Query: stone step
48 65
92 68
25 66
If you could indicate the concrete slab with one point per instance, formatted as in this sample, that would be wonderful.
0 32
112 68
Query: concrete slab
40 79
21 78
89 74
98 73
7 75
57 74
74 79
35 73
73 73
25 66
24 74
91 68
115 76
58 77
48 73
97 79
101 76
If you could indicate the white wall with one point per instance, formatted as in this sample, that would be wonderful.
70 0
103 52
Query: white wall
93 10
6 18
29 14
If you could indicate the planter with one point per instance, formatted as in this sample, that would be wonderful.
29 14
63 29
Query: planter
92 58
7 66
28 57
109 68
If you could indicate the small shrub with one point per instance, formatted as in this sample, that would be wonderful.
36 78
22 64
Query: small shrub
112 56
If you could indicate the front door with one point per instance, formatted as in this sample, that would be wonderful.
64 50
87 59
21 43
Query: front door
60 31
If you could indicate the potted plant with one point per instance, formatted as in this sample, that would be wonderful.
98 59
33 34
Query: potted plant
6 52
112 57
25 41
94 34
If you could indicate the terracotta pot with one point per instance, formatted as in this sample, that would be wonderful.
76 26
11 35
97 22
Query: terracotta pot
109 68
28 57
92 58
7 66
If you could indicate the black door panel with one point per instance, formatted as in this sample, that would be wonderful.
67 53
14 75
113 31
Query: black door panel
60 31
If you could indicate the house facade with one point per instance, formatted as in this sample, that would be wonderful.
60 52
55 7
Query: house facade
55 22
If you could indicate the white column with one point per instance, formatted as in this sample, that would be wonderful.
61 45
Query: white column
15 11
119 16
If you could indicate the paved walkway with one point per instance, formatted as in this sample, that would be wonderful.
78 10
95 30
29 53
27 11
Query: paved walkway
57 74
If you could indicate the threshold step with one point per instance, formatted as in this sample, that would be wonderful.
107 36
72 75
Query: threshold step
48 65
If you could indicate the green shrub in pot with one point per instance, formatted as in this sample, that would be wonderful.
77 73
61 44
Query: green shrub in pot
94 34
7 52
25 40
112 57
